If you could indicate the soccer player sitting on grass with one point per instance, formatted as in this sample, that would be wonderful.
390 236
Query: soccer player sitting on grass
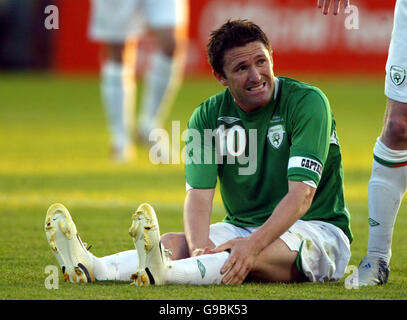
286 218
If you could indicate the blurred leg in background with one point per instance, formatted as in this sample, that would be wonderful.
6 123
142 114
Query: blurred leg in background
118 25
167 63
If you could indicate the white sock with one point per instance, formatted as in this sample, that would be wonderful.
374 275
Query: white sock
386 189
156 92
118 98
201 270
119 266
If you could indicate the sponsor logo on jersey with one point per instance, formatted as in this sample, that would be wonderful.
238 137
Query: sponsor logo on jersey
229 120
275 135
397 75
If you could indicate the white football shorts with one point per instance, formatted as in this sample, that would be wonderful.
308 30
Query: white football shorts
396 66
117 20
324 249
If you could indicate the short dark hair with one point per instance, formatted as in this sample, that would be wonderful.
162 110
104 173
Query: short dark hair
233 33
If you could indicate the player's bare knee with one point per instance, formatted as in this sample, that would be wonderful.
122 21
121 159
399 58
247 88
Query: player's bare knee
114 52
168 48
166 41
276 263
396 130
170 239
176 242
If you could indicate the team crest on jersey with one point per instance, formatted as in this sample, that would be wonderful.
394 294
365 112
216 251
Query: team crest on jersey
397 75
228 120
275 135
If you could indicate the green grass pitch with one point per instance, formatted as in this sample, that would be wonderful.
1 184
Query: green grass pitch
54 148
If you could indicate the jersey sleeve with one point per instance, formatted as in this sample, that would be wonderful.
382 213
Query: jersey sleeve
201 170
311 125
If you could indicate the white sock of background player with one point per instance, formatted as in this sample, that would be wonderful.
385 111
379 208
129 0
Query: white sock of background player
386 189
159 90
117 88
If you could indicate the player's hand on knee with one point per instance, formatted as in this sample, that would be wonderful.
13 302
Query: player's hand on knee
241 260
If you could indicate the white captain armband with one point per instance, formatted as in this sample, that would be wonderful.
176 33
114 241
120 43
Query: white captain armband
305 163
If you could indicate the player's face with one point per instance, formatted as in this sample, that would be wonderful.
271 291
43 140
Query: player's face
249 75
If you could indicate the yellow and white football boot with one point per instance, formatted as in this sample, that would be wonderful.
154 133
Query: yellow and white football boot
74 259
153 257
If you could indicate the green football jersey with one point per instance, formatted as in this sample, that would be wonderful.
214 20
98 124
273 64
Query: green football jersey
255 154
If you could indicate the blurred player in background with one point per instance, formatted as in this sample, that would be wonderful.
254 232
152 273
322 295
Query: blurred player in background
388 181
118 24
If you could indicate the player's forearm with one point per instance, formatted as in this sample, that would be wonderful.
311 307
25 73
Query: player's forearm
196 229
197 212
290 209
